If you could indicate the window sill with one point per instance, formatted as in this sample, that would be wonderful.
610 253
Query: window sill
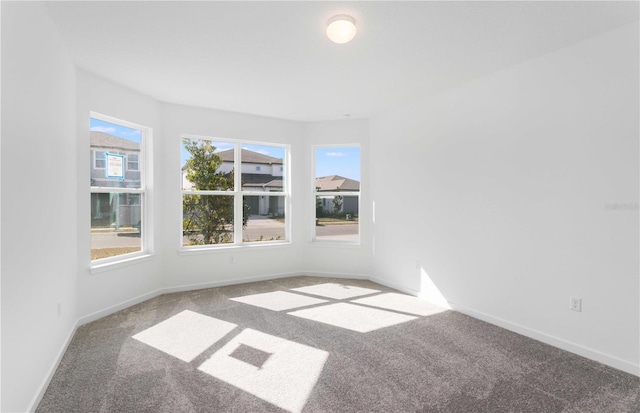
111 265
336 244
227 248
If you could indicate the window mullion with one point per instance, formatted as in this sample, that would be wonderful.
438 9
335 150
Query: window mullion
237 217
259 193
238 198
106 190
205 192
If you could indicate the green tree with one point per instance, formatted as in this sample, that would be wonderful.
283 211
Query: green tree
337 204
208 219
319 208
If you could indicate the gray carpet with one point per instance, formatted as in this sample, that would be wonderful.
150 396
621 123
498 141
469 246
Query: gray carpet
222 355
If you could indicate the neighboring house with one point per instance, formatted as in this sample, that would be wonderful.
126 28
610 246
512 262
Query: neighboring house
338 183
260 173
263 173
112 209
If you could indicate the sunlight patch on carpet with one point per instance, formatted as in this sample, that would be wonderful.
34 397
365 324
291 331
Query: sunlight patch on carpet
185 335
401 302
353 317
335 291
285 378
278 300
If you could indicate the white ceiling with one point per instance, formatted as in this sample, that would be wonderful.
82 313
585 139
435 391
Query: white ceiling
273 58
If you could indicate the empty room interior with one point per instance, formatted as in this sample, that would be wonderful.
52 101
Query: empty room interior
320 206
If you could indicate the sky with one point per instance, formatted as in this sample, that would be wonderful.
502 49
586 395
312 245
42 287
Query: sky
98 125
339 160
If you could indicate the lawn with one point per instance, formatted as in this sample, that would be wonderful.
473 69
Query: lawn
335 221
96 254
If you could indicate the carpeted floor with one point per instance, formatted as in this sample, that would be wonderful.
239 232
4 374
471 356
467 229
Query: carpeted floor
320 345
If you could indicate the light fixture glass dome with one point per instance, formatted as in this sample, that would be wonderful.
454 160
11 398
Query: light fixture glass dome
341 28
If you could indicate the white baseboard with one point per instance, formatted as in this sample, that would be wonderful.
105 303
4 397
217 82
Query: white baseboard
125 304
117 307
222 283
234 281
569 346
395 286
54 366
334 275
603 358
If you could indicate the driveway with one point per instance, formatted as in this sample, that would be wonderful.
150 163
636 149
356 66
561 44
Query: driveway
258 226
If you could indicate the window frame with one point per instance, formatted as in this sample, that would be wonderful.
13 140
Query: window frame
238 193
143 192
137 162
315 193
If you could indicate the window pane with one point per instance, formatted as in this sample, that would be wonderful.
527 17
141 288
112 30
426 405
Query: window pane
116 224
337 169
337 218
99 159
110 138
207 165
262 168
132 162
266 218
207 219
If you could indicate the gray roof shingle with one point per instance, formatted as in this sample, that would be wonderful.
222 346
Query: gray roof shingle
250 157
336 183
105 141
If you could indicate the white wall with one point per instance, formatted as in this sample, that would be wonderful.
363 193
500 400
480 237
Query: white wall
213 267
500 191
259 261
103 290
170 269
39 201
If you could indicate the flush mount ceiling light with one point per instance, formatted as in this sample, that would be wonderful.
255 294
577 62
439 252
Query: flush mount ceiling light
341 28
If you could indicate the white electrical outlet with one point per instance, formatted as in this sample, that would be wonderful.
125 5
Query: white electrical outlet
231 259
575 303
59 309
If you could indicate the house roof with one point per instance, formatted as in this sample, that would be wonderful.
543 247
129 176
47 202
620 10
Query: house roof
249 156
274 183
260 181
336 183
105 141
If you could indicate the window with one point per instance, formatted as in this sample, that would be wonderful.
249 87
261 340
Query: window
132 162
336 189
223 207
99 159
258 168
118 189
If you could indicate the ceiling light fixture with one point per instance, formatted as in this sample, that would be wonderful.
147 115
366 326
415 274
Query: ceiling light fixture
341 28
